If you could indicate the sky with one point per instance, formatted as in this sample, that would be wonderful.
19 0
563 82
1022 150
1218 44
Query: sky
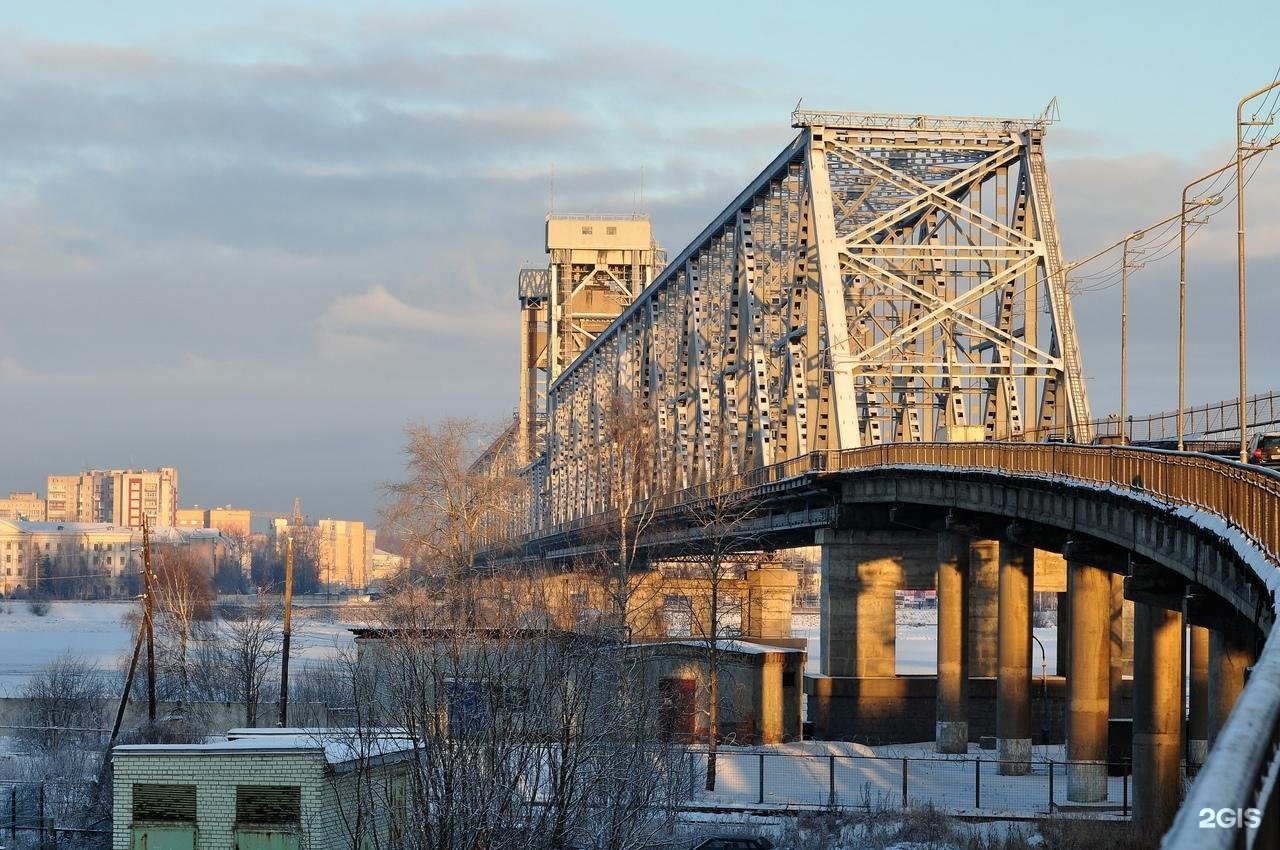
255 240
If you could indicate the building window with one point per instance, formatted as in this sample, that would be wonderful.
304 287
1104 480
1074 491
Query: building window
275 805
677 615
611 231
164 803
474 704
586 230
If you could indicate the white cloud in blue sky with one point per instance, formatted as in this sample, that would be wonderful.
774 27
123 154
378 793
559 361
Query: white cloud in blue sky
254 240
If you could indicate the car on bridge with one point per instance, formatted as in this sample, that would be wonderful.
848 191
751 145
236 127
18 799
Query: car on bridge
1264 448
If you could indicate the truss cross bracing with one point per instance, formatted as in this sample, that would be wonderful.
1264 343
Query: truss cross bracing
884 279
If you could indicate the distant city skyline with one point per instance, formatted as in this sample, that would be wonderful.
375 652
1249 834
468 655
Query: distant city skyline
254 243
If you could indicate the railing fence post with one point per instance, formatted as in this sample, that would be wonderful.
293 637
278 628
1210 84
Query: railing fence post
1124 785
831 781
762 777
1050 786
904 783
977 783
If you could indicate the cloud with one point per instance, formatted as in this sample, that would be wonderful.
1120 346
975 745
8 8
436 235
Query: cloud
377 309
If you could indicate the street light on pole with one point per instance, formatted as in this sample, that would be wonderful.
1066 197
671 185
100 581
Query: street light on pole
1182 293
1240 282
1124 302
1124 331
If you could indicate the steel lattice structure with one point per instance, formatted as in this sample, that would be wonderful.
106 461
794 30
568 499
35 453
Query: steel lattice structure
885 279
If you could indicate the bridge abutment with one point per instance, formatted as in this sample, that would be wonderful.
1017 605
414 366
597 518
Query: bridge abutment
1013 680
1157 716
951 733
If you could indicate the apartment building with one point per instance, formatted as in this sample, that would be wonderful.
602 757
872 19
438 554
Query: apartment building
115 496
23 505
344 549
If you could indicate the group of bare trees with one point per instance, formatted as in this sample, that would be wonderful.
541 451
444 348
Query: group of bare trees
532 728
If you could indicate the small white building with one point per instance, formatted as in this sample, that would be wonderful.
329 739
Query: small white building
263 789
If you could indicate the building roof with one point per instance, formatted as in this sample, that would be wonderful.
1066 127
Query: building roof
38 527
341 748
724 645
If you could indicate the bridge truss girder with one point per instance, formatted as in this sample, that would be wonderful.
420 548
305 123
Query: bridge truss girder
883 280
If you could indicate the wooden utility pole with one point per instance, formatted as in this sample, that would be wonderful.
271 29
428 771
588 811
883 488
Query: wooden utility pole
148 622
288 631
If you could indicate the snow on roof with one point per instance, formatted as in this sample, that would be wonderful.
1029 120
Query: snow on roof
40 527
726 645
339 746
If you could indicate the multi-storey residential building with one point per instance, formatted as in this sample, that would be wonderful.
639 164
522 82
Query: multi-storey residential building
136 494
344 549
82 497
116 496
22 505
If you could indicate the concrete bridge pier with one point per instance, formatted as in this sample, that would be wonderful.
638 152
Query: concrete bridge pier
1119 641
859 585
1013 679
1088 681
1198 684
1230 654
1157 716
984 581
952 725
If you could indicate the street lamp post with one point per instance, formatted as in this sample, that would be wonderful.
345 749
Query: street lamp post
1182 293
1124 332
1240 281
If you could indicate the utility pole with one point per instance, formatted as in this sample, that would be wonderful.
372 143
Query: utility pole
288 631
148 621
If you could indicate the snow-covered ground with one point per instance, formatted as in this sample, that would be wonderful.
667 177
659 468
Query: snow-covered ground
806 775
98 633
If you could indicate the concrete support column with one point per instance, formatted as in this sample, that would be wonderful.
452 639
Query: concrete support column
1063 663
1230 653
1116 655
951 733
1013 678
984 580
1157 716
859 582
771 593
1088 680
1198 683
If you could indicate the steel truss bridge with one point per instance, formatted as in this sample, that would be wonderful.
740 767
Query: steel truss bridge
880 320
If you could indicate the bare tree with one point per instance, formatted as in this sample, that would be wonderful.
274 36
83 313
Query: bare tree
251 650
526 737
183 609
629 476
721 512
447 502
64 703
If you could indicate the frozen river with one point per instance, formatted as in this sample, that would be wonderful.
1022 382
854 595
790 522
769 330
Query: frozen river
97 632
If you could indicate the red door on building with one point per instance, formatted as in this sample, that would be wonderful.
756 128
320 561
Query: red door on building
677 708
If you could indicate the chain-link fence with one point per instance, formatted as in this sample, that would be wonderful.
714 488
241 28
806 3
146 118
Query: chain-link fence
957 784
27 821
